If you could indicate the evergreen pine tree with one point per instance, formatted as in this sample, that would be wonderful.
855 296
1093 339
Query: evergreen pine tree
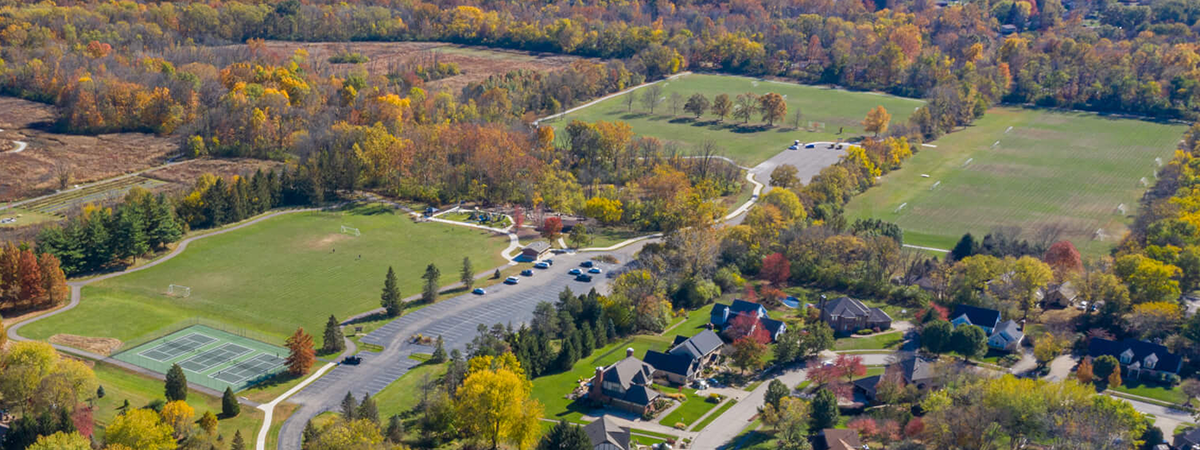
395 430
176 386
349 407
432 276
824 410
368 410
965 247
565 436
390 299
240 444
467 276
99 390
334 340
229 404
439 352
587 340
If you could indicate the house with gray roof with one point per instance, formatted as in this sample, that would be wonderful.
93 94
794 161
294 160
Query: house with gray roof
1007 336
723 315
847 315
626 384
1003 336
606 434
687 358
911 371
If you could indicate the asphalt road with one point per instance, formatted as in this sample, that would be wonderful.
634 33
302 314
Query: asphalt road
455 319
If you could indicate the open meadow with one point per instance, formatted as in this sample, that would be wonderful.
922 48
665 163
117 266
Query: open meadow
752 143
1025 168
287 271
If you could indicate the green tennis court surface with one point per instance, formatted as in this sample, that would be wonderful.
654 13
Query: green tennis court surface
209 357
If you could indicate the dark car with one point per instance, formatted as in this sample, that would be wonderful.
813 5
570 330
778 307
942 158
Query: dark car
583 277
527 273
574 272
550 262
594 270
586 264
351 360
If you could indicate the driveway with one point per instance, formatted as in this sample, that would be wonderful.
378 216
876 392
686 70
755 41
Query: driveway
455 319
1060 368
720 433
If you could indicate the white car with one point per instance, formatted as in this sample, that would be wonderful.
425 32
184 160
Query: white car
511 280
1082 306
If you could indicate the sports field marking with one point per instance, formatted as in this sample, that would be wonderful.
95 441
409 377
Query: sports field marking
176 347
258 365
214 357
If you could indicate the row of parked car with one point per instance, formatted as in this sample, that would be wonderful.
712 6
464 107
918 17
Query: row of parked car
578 273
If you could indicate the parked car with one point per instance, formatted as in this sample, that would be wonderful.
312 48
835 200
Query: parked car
574 272
542 265
478 291
714 383
586 264
511 280
594 270
811 146
1082 306
583 277
549 261
794 147
352 360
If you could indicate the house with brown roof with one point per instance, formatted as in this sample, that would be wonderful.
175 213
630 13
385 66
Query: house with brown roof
1062 295
626 384
847 315
837 439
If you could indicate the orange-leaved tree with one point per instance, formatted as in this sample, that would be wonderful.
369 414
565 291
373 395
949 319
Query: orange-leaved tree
302 355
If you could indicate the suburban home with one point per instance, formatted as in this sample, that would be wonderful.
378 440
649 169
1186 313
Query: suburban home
1007 336
606 434
914 370
980 317
836 439
1060 295
1189 440
534 251
1139 359
686 358
847 315
625 385
722 315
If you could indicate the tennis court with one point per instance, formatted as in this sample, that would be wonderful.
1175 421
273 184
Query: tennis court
209 357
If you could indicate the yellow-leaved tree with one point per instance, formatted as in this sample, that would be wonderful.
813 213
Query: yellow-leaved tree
62 441
877 120
141 429
494 403
178 414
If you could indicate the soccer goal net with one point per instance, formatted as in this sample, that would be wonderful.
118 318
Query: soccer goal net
176 290
351 231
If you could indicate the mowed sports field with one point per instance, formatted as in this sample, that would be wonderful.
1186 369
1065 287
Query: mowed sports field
288 271
1072 169
749 145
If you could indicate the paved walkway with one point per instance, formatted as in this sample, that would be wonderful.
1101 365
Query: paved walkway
606 97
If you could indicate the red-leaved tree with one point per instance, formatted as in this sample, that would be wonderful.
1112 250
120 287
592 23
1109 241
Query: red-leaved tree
837 376
776 268
82 418
745 326
914 427
865 426
30 273
1063 258
551 228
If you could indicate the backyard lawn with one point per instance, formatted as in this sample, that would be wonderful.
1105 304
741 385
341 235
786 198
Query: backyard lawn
882 341
274 276
689 411
1152 390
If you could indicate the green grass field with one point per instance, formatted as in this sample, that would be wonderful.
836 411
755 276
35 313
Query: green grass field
551 390
287 271
1049 169
753 144
892 340
405 393
689 411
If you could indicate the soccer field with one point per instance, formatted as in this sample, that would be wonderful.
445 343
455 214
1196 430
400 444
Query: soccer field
1026 168
287 271
753 144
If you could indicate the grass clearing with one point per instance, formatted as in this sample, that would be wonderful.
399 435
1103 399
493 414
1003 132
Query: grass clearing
1028 168
881 341
287 271
691 410
120 385
752 144
405 393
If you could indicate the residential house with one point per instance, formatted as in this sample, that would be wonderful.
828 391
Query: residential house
984 318
534 251
847 315
625 384
687 357
606 434
722 315
837 439
1007 336
1060 295
1139 359
1189 440
914 370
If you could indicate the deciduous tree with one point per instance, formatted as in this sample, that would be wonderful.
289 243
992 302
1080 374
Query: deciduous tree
62 441
552 228
722 106
1105 365
301 354
1064 259
969 341
494 404
746 106
773 107
784 176
776 268
1084 372
697 104
178 414
140 429
935 336
877 121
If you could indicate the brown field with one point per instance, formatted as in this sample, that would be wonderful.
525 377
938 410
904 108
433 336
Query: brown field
97 345
476 63
185 173
35 170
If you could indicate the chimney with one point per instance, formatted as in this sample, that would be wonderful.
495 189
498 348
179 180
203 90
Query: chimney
629 352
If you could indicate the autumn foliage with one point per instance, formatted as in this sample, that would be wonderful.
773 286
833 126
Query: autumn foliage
28 280
301 354
776 268
1063 258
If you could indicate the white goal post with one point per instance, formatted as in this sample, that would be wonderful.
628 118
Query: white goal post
176 290
351 231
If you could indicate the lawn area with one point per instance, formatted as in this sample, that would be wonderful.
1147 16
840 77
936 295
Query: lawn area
697 321
24 217
1152 390
689 411
1026 168
552 390
404 393
881 341
287 271
714 415
120 385
752 144
606 236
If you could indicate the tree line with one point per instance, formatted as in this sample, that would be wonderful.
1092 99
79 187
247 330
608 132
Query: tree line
29 280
